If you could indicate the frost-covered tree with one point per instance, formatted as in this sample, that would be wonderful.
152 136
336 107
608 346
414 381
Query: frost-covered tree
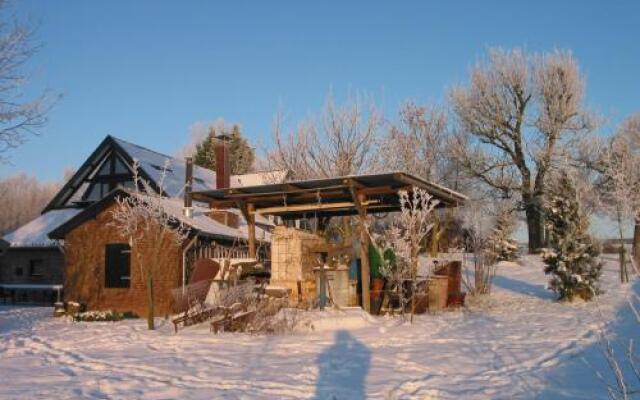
477 224
140 217
513 120
572 259
621 185
406 237
499 243
416 143
341 141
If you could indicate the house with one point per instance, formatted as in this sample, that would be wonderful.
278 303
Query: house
102 271
31 266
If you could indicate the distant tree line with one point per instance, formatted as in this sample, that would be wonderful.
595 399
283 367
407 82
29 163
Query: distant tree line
23 197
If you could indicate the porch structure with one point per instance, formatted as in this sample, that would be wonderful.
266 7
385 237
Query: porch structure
357 195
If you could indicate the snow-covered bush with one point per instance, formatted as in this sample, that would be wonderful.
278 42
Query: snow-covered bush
99 316
478 224
572 259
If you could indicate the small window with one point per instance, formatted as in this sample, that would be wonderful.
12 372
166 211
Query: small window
117 265
35 268
120 167
105 169
19 271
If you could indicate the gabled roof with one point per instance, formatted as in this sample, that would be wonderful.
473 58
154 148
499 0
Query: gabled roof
35 233
151 165
200 223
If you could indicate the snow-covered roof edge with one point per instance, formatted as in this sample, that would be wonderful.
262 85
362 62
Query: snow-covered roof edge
35 233
200 222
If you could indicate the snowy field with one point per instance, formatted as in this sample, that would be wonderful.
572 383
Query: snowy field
520 345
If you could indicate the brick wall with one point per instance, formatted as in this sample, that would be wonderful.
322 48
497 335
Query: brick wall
85 270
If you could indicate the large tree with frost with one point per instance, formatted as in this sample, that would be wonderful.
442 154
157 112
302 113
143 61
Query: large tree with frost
514 118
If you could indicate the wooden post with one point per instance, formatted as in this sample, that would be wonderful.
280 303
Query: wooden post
359 200
364 265
248 214
251 225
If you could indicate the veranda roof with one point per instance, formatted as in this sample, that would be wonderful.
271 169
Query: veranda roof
346 195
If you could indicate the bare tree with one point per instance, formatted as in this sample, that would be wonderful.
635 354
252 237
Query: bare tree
342 141
621 193
514 118
19 117
141 218
417 143
478 223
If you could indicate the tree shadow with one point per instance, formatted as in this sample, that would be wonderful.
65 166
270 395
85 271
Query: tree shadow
522 287
343 369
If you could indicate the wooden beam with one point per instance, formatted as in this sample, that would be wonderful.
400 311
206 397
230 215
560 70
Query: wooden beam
308 207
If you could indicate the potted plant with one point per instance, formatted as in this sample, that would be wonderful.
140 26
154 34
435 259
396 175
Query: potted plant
377 279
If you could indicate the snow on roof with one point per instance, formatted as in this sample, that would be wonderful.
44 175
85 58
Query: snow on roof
35 233
203 179
203 223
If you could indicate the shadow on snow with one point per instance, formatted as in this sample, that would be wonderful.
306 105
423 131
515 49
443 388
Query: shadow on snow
343 369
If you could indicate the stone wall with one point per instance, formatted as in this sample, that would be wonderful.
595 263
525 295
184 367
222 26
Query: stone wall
292 261
85 270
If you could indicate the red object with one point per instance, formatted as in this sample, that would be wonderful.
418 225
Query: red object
204 269
376 288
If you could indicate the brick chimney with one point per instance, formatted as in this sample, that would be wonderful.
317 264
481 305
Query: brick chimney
188 187
223 166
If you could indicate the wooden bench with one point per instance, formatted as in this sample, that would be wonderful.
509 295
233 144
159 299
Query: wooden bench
234 318
189 319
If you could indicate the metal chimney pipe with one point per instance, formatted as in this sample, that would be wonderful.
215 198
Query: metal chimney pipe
223 166
188 187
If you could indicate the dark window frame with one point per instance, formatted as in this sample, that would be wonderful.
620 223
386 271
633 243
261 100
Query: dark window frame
117 266
35 267
107 183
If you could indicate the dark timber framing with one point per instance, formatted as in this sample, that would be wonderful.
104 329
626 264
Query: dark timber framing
358 195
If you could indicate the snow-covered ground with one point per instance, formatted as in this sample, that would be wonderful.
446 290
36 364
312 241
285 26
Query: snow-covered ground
521 344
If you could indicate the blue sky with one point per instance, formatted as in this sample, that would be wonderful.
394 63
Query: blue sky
147 70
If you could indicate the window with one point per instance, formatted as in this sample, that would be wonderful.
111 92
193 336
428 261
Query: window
117 272
35 268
